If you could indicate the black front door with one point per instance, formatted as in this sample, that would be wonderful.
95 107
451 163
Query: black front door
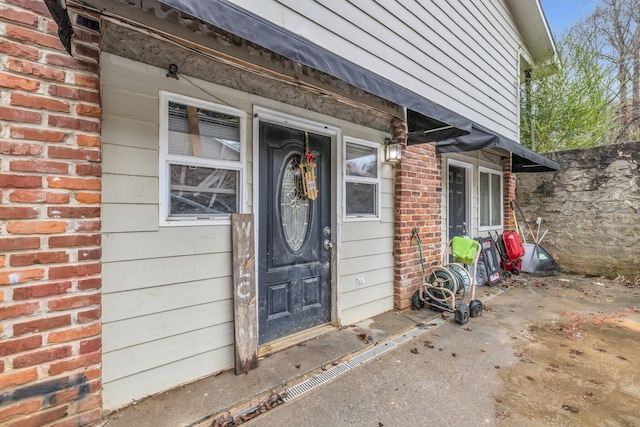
294 272
457 201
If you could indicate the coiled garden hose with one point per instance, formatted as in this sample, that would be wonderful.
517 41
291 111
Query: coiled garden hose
454 283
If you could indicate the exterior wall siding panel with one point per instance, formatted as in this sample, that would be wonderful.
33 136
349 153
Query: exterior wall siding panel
148 307
163 281
152 324
463 55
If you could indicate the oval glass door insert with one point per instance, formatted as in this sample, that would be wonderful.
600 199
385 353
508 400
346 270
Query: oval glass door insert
294 206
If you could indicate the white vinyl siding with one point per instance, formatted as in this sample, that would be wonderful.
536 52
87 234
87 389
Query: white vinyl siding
461 54
168 291
367 261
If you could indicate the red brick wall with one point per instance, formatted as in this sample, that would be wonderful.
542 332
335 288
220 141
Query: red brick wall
509 194
50 249
418 203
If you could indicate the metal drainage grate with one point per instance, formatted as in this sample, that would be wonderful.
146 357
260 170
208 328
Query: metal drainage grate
322 378
308 385
419 330
371 354
407 336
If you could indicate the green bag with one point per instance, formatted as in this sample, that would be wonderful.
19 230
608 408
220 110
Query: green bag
464 250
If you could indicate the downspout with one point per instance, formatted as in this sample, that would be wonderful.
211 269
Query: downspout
58 10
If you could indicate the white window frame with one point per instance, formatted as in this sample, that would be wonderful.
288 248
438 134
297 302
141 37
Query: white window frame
362 180
166 159
482 169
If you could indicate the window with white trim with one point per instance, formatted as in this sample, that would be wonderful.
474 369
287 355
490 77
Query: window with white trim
490 187
362 179
201 161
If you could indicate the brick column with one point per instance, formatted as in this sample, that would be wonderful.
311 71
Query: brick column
418 189
50 190
509 193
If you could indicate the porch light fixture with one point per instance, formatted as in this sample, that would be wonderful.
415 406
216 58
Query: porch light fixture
172 71
392 150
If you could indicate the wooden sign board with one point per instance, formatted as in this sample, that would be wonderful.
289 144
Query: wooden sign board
244 292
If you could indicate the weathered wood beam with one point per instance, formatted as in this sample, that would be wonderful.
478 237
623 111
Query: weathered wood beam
244 295
194 130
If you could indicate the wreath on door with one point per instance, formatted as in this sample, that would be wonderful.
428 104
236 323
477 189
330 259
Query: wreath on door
308 169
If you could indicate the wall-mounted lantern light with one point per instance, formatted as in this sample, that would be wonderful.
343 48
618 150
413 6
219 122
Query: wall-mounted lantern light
392 150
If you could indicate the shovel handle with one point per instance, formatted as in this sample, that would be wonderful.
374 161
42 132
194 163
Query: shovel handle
525 222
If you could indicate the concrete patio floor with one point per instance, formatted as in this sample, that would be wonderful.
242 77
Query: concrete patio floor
354 397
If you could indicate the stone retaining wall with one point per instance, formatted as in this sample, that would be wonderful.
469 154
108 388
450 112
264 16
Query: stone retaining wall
591 208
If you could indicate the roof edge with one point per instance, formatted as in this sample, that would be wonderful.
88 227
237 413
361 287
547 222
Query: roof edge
534 27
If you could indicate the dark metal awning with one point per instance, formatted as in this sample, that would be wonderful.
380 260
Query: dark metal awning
423 129
427 121
523 159
437 121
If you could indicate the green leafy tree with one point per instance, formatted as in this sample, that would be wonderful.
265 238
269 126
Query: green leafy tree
566 101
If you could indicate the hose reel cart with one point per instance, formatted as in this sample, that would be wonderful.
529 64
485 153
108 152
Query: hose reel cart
445 286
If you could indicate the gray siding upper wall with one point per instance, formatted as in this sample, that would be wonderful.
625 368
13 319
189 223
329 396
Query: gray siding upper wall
462 54
167 296
168 291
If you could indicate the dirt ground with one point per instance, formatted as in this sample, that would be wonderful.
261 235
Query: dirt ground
581 368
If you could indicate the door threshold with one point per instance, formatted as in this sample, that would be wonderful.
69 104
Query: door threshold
295 339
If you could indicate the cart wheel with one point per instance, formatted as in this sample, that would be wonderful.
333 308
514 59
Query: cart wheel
416 302
462 314
515 271
506 274
475 308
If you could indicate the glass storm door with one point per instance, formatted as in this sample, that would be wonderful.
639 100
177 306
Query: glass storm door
294 272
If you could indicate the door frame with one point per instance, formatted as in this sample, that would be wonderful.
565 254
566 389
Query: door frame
468 167
296 122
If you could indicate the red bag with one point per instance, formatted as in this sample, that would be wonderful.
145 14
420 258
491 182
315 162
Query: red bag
513 245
